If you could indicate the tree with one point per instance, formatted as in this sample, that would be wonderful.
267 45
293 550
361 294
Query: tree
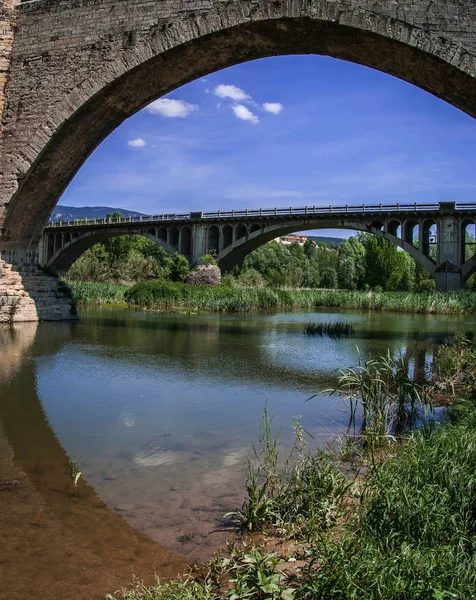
329 278
384 263
353 248
346 273
179 268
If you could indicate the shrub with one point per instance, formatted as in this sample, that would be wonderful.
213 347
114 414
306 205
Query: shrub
426 285
251 278
208 259
179 268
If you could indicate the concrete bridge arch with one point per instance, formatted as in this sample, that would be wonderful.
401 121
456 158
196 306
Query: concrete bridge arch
235 254
61 255
65 93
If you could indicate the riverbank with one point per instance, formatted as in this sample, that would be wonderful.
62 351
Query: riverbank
158 295
379 517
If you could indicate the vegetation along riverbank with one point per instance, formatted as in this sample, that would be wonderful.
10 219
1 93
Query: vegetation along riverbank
387 512
164 295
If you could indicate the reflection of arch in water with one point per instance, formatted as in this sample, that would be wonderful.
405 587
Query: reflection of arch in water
92 540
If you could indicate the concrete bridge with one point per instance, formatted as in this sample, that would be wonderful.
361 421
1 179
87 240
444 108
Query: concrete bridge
434 234
71 71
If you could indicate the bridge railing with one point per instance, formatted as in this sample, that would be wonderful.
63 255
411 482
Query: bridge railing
289 211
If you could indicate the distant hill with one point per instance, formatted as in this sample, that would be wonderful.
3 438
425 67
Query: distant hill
70 213
334 241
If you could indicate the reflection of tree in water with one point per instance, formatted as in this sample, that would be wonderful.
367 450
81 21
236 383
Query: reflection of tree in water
232 348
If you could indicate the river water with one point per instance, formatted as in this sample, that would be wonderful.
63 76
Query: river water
161 410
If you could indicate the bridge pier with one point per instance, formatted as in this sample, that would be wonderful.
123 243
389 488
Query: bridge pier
450 252
27 293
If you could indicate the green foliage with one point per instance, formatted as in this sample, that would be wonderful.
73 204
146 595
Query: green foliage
96 293
383 396
124 259
385 265
298 494
414 535
74 472
364 261
455 365
183 589
179 268
208 259
426 285
471 283
250 278
256 577
233 298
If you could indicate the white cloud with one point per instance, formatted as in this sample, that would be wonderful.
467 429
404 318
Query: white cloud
273 107
243 113
232 92
172 109
137 143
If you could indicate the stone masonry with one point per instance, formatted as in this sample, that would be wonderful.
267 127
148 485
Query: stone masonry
71 71
29 294
78 68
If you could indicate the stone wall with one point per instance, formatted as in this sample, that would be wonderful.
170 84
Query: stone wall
29 294
80 67
7 28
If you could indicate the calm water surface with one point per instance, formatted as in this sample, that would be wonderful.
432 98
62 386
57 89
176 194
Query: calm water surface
162 410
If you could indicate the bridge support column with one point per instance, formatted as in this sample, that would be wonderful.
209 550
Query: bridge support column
29 294
199 243
449 259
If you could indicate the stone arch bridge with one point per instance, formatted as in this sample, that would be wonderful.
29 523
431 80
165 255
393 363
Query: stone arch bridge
71 71
434 234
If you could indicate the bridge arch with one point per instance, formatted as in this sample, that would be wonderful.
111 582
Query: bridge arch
65 256
234 255
161 52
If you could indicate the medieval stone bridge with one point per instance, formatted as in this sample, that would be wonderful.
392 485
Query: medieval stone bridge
71 71
434 234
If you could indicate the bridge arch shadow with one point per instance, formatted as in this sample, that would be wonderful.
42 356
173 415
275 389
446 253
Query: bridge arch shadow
210 41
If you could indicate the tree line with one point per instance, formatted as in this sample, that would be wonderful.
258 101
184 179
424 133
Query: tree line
363 262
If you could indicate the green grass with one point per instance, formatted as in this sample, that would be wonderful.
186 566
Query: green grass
414 536
166 296
335 330
96 293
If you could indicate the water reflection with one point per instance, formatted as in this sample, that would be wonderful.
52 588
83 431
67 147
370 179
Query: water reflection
161 410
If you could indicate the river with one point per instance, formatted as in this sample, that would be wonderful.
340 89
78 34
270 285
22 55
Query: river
161 410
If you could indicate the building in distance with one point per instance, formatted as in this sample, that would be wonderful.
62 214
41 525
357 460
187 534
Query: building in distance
290 239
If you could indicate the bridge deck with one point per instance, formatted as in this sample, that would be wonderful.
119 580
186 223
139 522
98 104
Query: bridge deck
303 211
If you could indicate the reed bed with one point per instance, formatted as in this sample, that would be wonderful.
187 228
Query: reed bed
336 330
96 293
165 296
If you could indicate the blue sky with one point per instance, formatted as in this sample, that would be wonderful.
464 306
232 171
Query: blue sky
295 130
